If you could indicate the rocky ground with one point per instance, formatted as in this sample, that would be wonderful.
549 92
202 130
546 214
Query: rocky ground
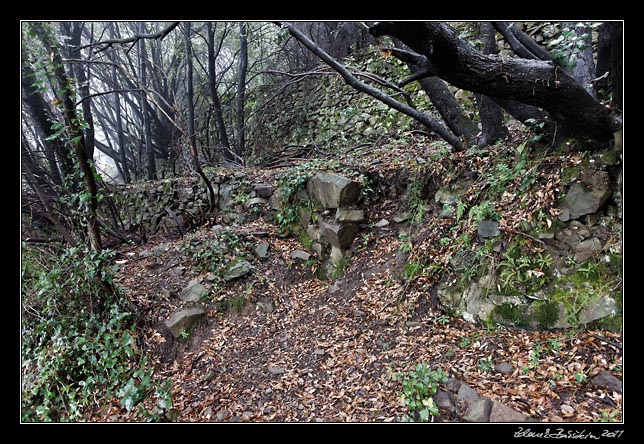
298 348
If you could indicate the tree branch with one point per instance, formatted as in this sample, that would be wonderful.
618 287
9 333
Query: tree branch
133 39
106 92
351 80
504 28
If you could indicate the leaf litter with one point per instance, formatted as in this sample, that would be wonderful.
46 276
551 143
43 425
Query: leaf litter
324 355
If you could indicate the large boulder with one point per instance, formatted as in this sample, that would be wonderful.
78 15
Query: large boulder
333 191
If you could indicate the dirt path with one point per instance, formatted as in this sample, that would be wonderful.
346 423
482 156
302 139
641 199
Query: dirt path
325 351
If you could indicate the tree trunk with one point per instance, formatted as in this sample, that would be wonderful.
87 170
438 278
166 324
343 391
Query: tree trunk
212 82
532 82
37 106
145 110
584 69
617 62
192 140
490 112
440 95
75 134
241 88
82 81
123 151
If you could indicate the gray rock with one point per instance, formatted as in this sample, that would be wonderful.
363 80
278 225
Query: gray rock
607 381
401 217
466 393
193 292
589 196
336 255
301 255
185 319
265 306
338 235
344 215
504 368
236 269
502 413
314 232
381 223
564 216
276 370
478 410
358 313
261 250
586 249
605 306
264 190
444 400
226 199
255 201
488 228
333 191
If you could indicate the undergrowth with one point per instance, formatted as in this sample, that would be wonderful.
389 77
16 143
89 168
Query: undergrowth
75 357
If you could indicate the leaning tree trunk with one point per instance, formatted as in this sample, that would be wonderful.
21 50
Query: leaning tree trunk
534 82
490 112
440 95
76 136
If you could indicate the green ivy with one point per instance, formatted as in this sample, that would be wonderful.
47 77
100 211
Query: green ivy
75 355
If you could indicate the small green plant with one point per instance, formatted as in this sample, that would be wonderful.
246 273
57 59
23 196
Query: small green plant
465 342
406 244
485 365
610 415
412 269
418 387
520 270
580 377
289 183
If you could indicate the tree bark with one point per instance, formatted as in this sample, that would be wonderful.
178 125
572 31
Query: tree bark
37 106
123 154
584 69
490 112
532 82
75 135
241 88
440 95
145 111
216 102
192 139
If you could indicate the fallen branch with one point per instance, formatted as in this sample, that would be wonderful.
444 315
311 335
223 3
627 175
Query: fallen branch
601 338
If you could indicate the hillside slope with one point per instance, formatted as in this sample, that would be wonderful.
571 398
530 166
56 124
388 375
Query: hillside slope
288 343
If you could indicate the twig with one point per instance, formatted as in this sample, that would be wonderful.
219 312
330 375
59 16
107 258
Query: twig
614 344
507 230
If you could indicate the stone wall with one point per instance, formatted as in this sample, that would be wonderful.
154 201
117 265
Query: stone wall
329 212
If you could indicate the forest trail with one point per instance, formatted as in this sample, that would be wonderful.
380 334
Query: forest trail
305 349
